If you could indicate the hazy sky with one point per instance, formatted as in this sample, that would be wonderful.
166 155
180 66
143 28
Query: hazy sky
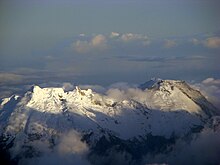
72 40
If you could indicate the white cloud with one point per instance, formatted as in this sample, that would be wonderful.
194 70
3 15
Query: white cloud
99 40
128 37
82 46
169 43
212 42
114 34
97 43
211 81
122 92
101 43
69 150
67 86
131 37
71 144
95 88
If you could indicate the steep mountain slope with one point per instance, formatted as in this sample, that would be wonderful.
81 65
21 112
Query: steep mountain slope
172 94
168 110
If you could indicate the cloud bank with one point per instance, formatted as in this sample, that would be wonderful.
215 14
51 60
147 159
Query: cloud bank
100 43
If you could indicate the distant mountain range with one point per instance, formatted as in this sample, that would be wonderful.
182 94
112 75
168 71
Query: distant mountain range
97 128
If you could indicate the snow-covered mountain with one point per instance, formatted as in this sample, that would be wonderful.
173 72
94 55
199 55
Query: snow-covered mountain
164 110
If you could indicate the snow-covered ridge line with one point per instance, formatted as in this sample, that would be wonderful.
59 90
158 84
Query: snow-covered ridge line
151 110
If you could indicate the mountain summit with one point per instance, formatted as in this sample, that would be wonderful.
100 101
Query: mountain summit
161 110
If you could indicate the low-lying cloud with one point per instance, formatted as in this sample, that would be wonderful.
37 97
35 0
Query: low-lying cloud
68 150
127 94
71 144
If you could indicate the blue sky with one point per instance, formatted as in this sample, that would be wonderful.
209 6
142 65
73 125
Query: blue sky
72 40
